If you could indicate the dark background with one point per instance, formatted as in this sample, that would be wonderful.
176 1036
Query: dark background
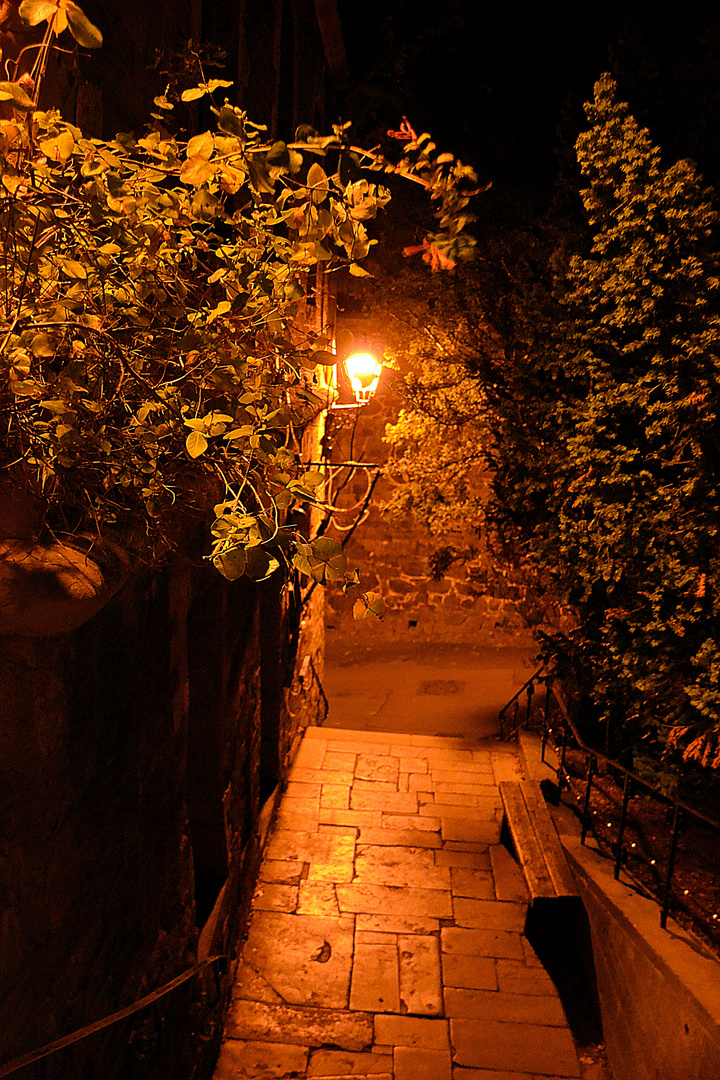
502 84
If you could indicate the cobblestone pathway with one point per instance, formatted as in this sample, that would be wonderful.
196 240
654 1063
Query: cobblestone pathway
386 935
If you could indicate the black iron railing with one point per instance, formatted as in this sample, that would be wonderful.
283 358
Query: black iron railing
512 718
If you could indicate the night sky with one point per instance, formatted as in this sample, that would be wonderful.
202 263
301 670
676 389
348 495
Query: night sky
502 84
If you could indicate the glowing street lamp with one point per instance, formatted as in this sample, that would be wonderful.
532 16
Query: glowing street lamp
364 372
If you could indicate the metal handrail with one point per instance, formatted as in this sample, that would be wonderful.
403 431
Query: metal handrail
631 781
107 1021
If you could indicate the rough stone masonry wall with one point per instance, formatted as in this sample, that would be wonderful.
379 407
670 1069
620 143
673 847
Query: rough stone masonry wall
478 609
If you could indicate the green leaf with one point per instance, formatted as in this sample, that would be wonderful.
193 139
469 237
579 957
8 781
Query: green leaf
278 156
34 12
231 563
359 271
74 269
196 444
318 184
260 564
194 94
322 356
84 32
42 345
14 92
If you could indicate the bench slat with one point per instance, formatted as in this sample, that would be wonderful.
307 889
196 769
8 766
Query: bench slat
528 848
555 859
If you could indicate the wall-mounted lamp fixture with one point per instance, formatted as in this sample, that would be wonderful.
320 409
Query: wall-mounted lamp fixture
364 372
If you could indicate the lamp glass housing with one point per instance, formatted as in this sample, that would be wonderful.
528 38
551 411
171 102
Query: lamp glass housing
364 372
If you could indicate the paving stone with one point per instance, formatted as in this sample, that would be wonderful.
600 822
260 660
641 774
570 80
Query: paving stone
489 1044
305 958
330 854
358 745
292 804
398 802
498 1005
374 937
411 1031
395 900
461 845
489 914
317 898
374 986
251 985
280 871
349 735
400 866
335 797
413 764
470 830
507 875
493 1074
476 860
342 760
482 811
415 1063
467 774
470 972
270 897
259 1061
419 782
396 924
498 943
517 978
310 754
344 1063
399 838
302 789
420 983
469 882
321 776
358 818
291 820
407 821
449 798
373 767
299 1026
457 787
374 786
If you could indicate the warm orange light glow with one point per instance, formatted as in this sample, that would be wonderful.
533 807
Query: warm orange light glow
364 373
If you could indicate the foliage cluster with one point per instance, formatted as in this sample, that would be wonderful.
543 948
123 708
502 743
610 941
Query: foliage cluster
603 402
155 355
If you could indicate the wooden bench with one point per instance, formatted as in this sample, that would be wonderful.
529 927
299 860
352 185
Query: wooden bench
536 841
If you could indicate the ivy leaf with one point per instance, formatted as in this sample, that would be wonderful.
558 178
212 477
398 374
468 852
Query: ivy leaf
42 345
196 444
60 147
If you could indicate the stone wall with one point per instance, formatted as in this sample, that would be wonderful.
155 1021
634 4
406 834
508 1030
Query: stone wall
475 607
132 809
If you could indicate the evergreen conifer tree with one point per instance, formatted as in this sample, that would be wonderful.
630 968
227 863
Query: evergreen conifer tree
639 509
